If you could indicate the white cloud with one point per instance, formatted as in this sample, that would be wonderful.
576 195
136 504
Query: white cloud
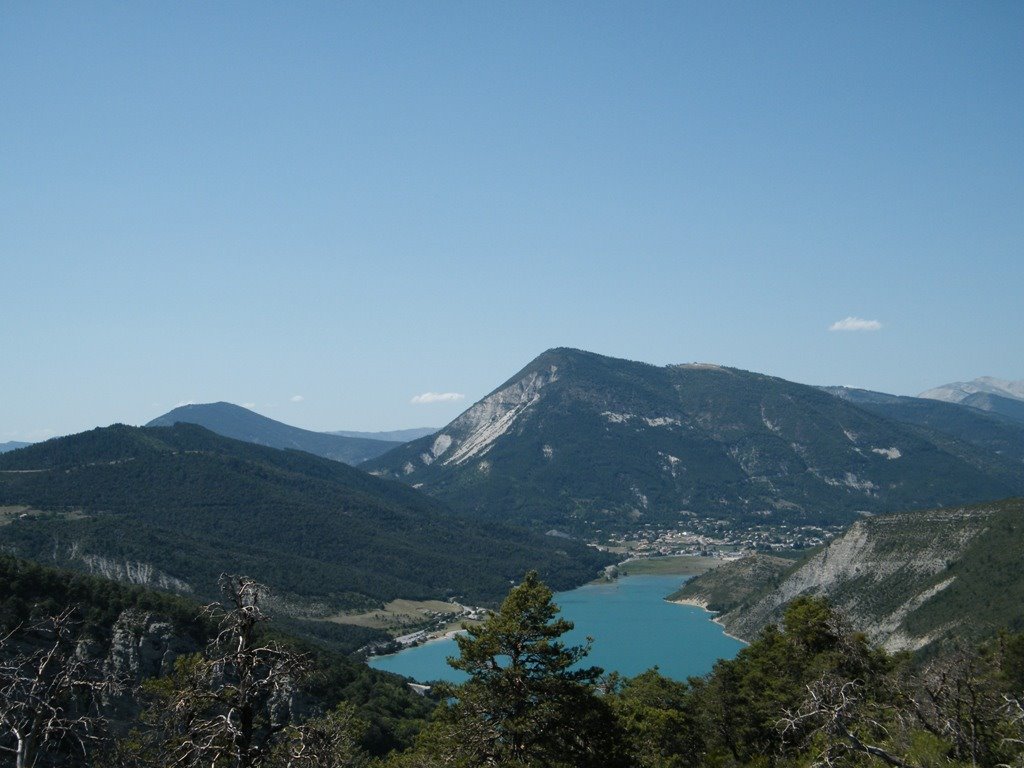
183 403
437 397
250 406
855 324
297 398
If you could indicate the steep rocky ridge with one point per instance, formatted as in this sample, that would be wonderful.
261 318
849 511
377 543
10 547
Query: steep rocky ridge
907 580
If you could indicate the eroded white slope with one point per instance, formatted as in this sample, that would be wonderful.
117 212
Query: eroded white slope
474 433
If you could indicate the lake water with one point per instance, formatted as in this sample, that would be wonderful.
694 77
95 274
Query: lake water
633 627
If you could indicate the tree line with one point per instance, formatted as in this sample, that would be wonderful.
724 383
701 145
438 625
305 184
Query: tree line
811 692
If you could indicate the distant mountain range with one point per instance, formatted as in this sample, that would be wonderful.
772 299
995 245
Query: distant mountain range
395 436
974 393
12 446
242 424
586 443
907 580
173 507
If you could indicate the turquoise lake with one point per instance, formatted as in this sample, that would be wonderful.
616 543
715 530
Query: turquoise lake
633 627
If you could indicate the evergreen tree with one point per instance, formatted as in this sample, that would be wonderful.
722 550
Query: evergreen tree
527 702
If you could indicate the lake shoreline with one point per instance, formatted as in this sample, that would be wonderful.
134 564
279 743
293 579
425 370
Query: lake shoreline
681 644
696 602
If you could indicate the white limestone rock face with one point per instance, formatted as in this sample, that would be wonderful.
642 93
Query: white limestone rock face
473 434
860 571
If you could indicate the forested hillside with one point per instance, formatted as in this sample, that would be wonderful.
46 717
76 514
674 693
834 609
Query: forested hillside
592 443
174 507
134 679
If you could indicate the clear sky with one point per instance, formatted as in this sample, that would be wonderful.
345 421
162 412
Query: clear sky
324 209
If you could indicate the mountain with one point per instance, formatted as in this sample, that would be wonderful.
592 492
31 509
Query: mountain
593 443
958 391
173 507
12 446
242 424
907 580
395 436
1010 407
985 429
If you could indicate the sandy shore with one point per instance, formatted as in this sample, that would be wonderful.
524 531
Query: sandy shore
696 602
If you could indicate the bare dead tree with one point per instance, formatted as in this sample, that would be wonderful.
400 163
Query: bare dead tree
230 705
330 741
836 717
48 694
1013 709
957 699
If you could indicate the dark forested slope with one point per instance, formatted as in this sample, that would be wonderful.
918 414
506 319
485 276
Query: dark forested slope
590 442
175 506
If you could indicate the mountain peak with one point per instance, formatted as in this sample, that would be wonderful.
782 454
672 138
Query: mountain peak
578 439
958 391
240 423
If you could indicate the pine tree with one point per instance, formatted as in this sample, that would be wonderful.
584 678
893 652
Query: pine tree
527 702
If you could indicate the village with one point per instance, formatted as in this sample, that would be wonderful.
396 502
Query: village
718 538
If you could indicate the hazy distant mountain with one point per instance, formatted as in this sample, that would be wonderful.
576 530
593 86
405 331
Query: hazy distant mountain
173 507
959 390
395 436
589 442
1010 407
242 424
12 446
985 429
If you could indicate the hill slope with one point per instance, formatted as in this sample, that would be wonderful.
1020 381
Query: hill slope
990 432
242 424
1010 407
589 442
907 580
175 506
394 436
12 446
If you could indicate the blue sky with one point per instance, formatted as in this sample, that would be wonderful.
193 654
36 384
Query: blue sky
357 203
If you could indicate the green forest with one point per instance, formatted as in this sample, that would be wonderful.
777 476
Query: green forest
810 692
324 535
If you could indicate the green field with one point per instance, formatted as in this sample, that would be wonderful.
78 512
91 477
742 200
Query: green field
676 565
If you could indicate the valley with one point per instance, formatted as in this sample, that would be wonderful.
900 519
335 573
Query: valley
682 514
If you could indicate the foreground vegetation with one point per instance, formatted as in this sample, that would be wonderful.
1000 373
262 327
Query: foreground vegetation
808 693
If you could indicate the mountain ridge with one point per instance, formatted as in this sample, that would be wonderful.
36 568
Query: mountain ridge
592 442
176 506
240 423
957 391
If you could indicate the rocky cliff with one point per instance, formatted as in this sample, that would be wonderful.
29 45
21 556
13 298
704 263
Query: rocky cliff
906 580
